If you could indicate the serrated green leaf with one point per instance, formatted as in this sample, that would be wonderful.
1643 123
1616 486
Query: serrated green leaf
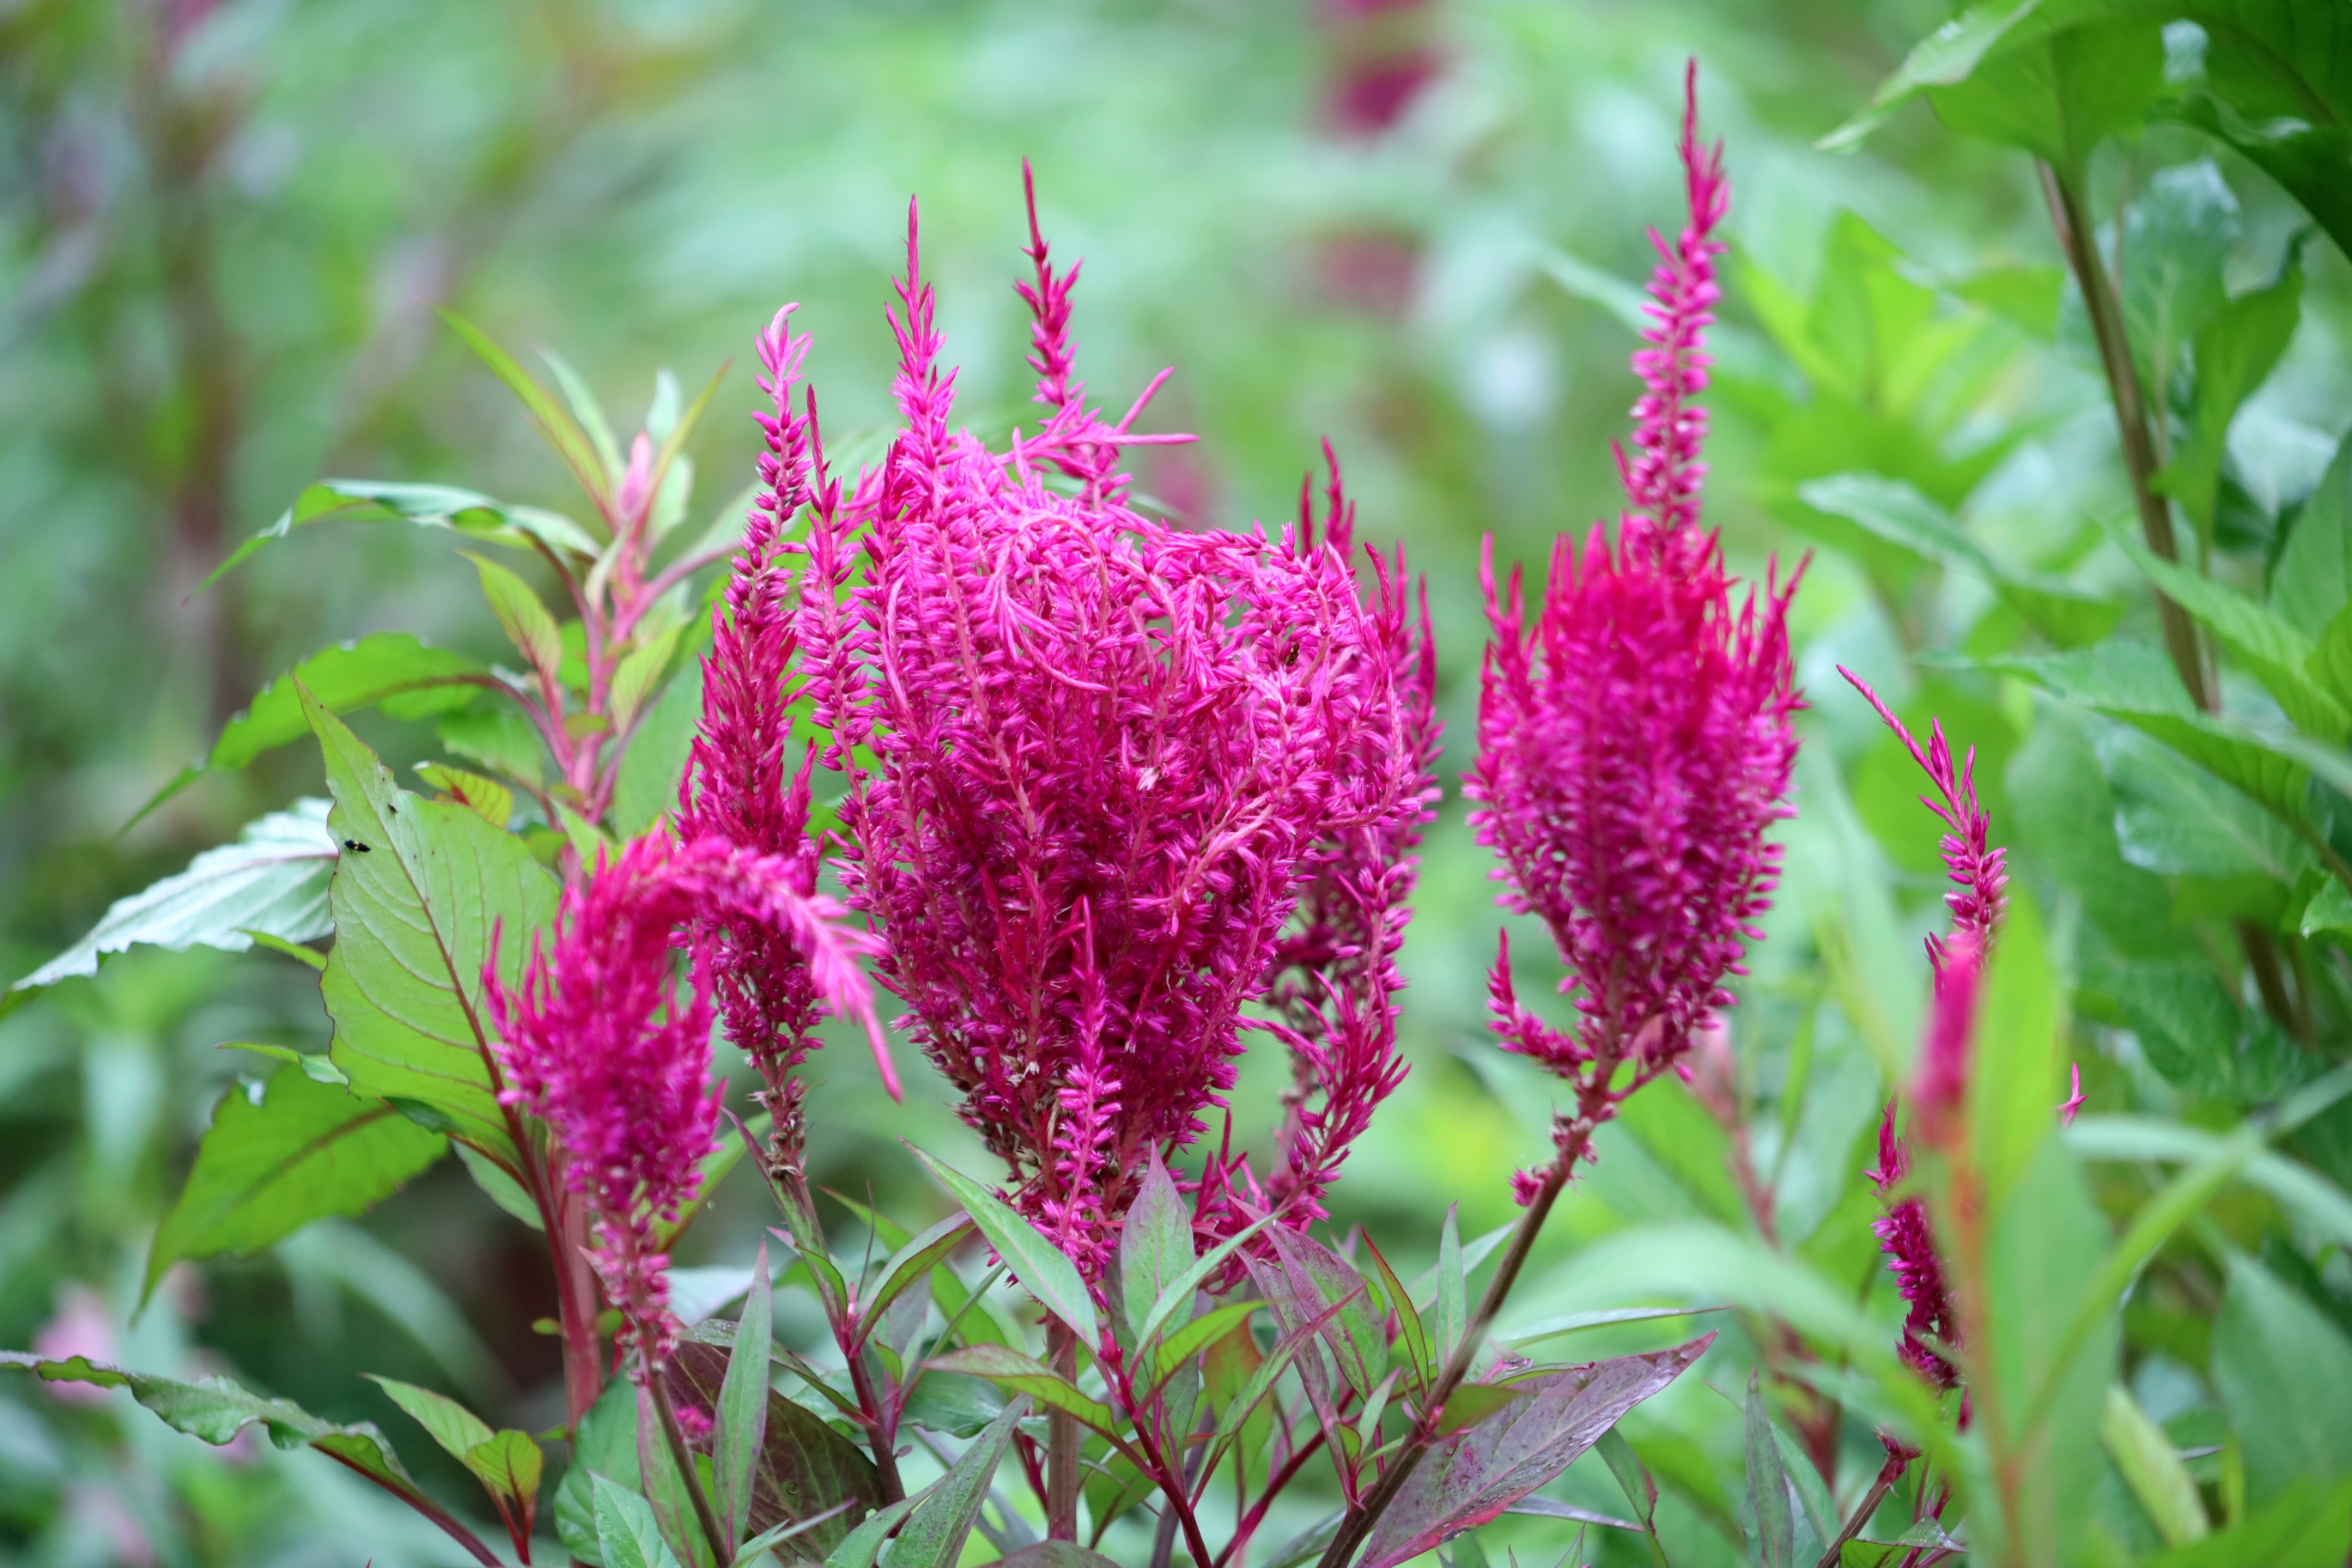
935 1530
265 1168
217 1410
274 878
464 512
1044 1271
415 917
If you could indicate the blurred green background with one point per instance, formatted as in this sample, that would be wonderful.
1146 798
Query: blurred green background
1409 227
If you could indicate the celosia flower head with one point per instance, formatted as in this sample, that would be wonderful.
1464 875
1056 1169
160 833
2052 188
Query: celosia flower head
1635 733
1909 1240
739 787
600 1043
1108 751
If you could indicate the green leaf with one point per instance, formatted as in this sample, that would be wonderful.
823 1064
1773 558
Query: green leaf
2058 93
2285 1373
2267 644
557 427
1898 513
1573 1322
1474 1402
1178 1295
316 1065
655 760
639 670
271 1163
627 1532
2309 1526
2236 351
1319 1277
498 738
511 1464
415 916
934 1533
1453 1294
491 800
1944 57
1410 1334
802 1466
674 442
1011 1370
589 415
1155 1246
520 615
457 1429
1765 1513
862 1545
2174 818
501 1187
2152 1469
1044 1271
911 1264
1170 1355
2177 235
2311 586
665 1487
272 880
1055 1555
217 1410
2016 1077
464 512
743 1424
604 1442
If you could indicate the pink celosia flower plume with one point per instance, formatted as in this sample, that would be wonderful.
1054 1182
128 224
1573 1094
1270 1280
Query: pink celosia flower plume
1909 1240
1335 978
739 789
599 1041
1108 753
1635 737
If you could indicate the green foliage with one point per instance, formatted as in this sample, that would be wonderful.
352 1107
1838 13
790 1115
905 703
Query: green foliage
281 1155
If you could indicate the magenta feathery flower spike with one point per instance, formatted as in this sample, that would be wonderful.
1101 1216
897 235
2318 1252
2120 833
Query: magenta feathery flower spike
598 1043
1636 742
1663 482
1107 751
1909 1240
1977 868
735 789
1335 978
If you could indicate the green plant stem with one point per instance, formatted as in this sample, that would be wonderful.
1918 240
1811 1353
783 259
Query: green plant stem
704 1514
2071 217
1062 1443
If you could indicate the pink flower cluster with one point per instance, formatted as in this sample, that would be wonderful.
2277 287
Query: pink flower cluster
599 1041
1110 753
1635 741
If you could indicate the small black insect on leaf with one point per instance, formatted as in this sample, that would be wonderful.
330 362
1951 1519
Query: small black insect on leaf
355 844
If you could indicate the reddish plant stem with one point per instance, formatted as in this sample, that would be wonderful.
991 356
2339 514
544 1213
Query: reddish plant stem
1062 1442
1888 1473
882 1433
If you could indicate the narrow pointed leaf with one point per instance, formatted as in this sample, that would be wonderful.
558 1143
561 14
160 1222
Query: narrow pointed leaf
1155 1246
1178 1296
1489 1467
801 1468
911 1264
743 1424
934 1533
1043 1271
1410 1334
560 429
1168 1356
862 1545
1011 1370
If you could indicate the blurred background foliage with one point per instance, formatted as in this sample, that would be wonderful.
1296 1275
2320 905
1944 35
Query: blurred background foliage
1413 228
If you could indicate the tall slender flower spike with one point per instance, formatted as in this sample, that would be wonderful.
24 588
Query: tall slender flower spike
1109 754
1909 1240
598 1043
1336 978
736 789
1635 741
